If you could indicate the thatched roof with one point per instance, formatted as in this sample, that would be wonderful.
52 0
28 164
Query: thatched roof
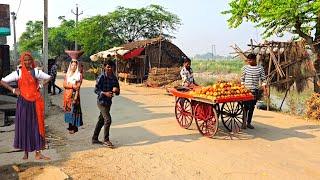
141 43
123 49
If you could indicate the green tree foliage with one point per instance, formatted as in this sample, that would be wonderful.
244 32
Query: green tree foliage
102 32
31 39
124 24
133 24
93 34
277 16
301 17
60 37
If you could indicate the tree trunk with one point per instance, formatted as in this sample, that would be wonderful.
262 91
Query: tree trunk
316 80
317 54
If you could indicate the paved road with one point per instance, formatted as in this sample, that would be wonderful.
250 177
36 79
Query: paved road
150 144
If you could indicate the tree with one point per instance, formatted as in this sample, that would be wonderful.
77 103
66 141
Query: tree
301 17
60 38
124 24
31 39
99 33
94 35
132 24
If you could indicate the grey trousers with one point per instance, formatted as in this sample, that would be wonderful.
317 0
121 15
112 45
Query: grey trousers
104 120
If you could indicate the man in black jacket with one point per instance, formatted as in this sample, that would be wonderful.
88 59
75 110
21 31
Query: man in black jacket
107 85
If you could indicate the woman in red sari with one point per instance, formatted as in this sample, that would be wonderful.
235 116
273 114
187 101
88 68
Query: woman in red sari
29 119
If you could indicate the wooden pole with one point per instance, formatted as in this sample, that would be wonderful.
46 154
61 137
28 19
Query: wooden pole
284 98
269 70
251 43
45 51
160 39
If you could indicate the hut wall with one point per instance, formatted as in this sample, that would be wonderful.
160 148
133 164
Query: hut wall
171 56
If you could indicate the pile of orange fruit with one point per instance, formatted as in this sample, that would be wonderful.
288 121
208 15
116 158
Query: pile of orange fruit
221 90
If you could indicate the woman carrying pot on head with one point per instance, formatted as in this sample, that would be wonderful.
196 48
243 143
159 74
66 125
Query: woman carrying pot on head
71 98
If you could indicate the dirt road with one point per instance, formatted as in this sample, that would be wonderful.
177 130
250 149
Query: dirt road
151 145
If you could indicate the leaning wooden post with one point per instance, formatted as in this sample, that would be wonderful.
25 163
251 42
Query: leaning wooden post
269 70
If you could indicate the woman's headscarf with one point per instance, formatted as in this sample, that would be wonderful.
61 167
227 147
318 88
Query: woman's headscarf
28 86
69 71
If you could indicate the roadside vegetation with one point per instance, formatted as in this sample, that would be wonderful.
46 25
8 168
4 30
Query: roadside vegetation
208 72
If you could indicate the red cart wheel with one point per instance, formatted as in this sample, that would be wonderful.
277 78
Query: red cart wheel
232 116
183 111
206 119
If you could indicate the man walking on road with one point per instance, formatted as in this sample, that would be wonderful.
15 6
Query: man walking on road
107 86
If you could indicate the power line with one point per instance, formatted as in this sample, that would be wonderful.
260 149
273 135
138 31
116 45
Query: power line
18 8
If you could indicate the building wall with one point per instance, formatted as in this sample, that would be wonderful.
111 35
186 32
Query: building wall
4 60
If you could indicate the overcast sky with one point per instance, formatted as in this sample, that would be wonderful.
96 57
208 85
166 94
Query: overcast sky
203 25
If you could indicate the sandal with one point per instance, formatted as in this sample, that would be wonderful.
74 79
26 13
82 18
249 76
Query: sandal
108 144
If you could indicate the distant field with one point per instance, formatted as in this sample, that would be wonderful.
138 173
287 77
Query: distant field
218 66
207 71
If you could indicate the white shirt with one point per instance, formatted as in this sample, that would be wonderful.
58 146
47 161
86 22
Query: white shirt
14 76
187 76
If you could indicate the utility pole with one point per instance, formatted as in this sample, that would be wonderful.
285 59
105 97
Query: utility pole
15 52
45 50
212 51
77 16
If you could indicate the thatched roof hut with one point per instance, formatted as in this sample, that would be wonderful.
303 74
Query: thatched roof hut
135 60
285 63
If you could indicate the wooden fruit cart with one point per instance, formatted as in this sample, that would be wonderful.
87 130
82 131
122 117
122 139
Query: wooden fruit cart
206 112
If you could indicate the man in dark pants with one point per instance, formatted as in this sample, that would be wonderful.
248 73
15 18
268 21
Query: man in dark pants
252 76
52 69
107 86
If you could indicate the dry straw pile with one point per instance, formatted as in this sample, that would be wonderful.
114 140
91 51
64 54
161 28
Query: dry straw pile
313 107
159 77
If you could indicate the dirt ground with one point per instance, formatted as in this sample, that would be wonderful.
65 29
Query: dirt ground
151 145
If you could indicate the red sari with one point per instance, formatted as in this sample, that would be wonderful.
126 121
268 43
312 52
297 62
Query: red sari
28 86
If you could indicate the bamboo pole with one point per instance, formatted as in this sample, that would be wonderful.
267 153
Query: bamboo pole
275 62
268 97
279 55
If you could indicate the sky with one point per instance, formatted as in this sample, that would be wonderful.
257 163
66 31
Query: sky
203 26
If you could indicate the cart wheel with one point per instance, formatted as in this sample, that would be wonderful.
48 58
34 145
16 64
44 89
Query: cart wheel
206 119
183 111
232 116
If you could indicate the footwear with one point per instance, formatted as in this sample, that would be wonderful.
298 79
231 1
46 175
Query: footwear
108 144
96 141
250 126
